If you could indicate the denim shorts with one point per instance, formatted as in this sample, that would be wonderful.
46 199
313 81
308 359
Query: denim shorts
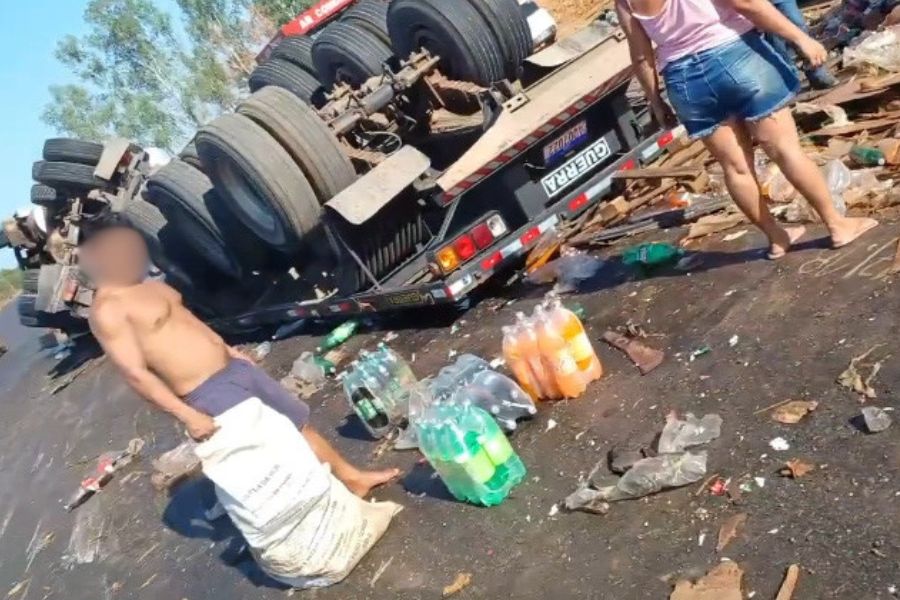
745 79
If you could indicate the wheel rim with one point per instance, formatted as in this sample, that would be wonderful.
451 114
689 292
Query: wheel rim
256 213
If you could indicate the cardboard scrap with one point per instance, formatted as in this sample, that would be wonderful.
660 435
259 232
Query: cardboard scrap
794 411
796 468
730 530
645 358
462 581
852 379
790 583
723 582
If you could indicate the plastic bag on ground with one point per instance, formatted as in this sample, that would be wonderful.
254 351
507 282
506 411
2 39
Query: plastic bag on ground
879 49
839 178
306 369
679 435
175 465
302 525
655 474
571 268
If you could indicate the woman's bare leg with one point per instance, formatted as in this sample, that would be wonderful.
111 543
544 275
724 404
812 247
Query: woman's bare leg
777 134
730 145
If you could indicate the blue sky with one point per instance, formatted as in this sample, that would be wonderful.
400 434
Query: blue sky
28 37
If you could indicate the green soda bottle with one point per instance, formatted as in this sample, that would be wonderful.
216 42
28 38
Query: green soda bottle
510 471
867 156
465 451
339 335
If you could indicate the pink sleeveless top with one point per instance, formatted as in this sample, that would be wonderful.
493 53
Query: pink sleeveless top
685 27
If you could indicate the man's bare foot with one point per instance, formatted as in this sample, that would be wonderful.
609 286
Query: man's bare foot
850 229
364 482
787 238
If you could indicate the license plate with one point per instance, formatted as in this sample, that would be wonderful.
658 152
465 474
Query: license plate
566 175
559 147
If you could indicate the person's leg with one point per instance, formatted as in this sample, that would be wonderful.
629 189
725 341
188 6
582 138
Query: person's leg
730 145
777 134
357 481
273 394
819 77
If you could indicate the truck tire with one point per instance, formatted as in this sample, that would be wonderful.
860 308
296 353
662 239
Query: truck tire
46 196
167 248
186 198
190 156
307 138
30 316
30 281
285 75
452 30
259 180
370 15
73 151
511 31
296 50
347 53
67 176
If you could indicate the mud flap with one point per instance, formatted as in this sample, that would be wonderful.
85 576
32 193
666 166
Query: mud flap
375 190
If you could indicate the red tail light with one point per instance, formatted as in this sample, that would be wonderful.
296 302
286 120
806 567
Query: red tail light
666 138
465 247
482 236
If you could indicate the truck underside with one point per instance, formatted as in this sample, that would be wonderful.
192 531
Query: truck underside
409 182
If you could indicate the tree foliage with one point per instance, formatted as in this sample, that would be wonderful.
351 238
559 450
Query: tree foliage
282 11
152 76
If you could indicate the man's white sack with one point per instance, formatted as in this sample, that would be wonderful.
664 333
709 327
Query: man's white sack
303 526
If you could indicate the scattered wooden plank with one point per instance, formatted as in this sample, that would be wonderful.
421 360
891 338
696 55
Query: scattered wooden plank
790 583
658 173
870 125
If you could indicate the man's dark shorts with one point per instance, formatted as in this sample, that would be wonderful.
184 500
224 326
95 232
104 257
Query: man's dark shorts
239 381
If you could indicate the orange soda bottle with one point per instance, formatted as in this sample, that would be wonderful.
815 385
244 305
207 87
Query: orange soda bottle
572 330
528 342
517 361
556 352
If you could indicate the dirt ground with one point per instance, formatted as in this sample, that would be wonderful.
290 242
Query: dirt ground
798 322
572 15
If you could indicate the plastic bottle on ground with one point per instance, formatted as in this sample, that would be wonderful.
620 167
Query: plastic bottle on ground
499 396
576 337
528 342
367 406
556 353
517 361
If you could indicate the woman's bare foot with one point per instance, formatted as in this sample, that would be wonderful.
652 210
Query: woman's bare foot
363 482
787 238
849 229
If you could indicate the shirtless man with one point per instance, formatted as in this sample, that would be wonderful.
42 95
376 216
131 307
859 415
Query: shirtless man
172 359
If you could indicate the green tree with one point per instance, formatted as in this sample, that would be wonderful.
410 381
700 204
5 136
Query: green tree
282 11
133 77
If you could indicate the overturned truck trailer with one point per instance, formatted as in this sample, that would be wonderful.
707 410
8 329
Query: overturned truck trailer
436 143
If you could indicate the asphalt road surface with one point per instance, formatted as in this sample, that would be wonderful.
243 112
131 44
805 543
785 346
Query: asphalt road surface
798 323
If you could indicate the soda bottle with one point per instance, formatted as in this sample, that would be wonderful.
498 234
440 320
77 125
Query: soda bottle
580 346
543 374
365 404
338 336
395 364
517 361
509 470
557 354
867 156
501 397
394 397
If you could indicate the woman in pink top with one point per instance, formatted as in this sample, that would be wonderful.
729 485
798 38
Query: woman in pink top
729 88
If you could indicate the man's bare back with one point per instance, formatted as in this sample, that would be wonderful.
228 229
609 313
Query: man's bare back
176 345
